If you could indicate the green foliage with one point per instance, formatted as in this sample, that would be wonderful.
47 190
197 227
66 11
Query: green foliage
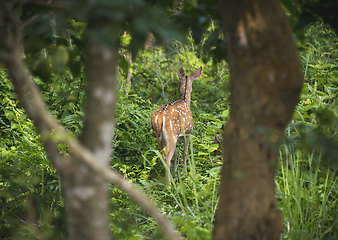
190 202
315 119
159 68
132 128
30 192
191 196
308 195
29 187
307 178
204 21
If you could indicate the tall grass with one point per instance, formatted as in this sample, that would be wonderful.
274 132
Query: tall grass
191 198
307 194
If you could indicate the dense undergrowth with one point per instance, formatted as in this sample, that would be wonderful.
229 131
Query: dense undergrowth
307 186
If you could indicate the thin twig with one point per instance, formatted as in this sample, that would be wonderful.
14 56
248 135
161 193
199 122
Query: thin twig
178 53
186 55
328 56
158 76
29 21
169 68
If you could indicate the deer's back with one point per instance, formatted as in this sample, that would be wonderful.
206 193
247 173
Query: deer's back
175 119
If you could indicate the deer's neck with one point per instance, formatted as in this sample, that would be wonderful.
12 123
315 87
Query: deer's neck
186 97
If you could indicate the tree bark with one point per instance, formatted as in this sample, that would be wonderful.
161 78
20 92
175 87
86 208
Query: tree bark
86 195
84 174
266 80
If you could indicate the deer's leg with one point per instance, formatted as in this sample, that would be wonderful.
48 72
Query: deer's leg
185 152
169 154
175 160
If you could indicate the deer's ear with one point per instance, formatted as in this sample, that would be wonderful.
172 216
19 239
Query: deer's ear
196 74
181 73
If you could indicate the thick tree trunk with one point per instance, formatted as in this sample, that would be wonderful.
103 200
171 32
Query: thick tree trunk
86 195
266 80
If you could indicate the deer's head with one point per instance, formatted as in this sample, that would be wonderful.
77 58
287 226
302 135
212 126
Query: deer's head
186 81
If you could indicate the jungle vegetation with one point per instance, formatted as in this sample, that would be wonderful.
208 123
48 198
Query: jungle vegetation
283 138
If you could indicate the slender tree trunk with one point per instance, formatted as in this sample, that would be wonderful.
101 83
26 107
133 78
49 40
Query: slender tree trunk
266 80
86 195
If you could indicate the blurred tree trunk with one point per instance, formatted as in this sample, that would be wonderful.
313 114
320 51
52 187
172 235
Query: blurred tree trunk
266 80
84 182
86 192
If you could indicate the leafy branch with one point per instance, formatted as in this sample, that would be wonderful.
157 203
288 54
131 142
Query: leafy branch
52 132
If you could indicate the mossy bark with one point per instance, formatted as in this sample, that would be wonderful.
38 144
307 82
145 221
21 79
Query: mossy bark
86 192
266 80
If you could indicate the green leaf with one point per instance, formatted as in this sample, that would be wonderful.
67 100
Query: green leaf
211 118
335 79
78 24
123 63
305 97
308 107
321 93
207 79
216 129
225 113
62 96
305 89
213 147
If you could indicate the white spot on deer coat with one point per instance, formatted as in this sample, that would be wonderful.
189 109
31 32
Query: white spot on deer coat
163 128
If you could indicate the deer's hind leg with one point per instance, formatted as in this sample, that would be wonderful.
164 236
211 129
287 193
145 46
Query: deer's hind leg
169 153
185 152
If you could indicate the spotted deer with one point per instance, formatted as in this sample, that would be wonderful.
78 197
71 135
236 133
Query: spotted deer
173 121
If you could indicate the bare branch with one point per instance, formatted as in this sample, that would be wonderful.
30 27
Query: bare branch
35 108
11 56
85 155
178 53
61 5
186 55
29 21
167 57
159 76
19 76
